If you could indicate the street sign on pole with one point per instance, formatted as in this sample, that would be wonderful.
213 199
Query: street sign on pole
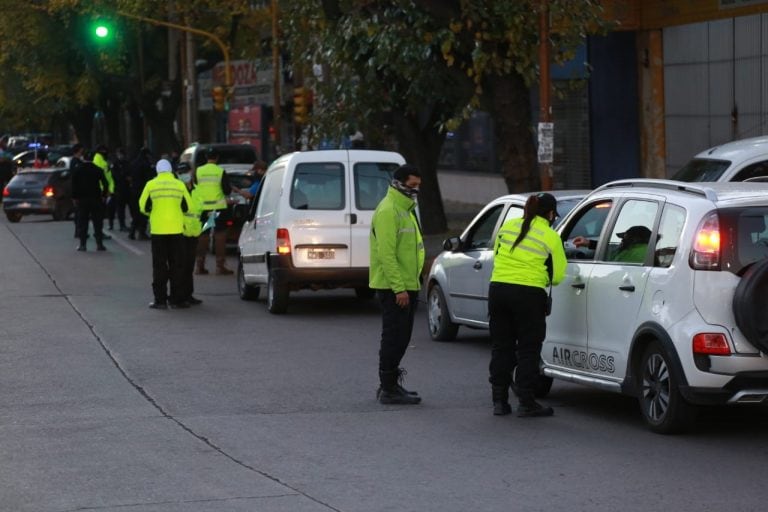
546 143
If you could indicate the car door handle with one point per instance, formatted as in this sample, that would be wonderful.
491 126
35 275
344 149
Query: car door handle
580 286
627 288
477 265
353 218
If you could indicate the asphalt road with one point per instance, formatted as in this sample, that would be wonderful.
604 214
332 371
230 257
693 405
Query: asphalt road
106 405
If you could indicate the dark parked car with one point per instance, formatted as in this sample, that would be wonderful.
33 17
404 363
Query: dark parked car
39 191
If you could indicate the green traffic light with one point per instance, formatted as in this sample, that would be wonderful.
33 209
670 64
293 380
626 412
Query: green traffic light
102 31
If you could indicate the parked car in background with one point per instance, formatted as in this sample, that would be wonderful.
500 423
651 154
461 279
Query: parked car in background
740 160
39 191
457 285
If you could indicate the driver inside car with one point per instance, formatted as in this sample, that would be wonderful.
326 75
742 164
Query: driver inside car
634 245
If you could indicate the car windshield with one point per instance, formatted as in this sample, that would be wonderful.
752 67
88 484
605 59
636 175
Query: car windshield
27 179
702 169
240 180
236 155
564 206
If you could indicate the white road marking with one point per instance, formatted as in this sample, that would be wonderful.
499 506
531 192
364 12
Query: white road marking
128 246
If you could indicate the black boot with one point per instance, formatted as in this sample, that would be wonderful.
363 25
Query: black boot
532 409
500 396
390 391
401 373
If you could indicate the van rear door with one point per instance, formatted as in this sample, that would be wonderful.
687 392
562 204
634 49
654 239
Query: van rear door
371 175
317 214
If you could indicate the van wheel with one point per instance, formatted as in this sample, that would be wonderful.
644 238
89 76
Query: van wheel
13 216
440 326
245 290
664 409
277 296
364 293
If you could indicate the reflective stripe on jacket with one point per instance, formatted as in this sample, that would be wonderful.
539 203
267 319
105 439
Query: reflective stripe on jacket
526 264
208 179
167 194
192 225
397 248
100 161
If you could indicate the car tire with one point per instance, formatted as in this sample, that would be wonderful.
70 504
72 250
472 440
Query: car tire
542 388
13 216
439 319
663 407
749 303
364 293
245 290
277 295
60 211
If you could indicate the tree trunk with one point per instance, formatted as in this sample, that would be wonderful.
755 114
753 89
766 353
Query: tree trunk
508 101
420 143
82 122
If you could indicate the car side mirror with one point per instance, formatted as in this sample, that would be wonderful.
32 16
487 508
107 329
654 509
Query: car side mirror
452 244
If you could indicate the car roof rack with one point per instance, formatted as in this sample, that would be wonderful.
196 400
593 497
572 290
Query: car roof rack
680 186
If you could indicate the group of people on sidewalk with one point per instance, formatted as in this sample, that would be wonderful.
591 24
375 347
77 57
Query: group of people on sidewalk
528 258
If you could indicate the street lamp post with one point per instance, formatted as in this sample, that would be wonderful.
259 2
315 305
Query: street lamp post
546 126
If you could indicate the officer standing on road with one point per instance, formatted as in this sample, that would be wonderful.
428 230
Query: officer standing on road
192 229
214 187
89 192
397 257
164 200
517 302
100 160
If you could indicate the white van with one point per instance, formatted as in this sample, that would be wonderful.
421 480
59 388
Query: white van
308 225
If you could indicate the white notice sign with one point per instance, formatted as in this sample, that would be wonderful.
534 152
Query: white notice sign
546 142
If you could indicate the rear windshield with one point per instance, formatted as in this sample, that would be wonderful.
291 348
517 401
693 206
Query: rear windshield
318 186
702 169
744 237
241 180
30 178
371 183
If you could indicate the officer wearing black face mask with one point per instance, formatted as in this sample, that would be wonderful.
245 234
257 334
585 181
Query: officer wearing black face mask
517 302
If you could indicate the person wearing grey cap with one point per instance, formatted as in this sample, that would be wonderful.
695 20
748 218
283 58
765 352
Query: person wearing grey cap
528 258
165 199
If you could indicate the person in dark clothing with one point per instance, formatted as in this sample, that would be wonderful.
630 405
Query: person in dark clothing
141 172
89 193
122 191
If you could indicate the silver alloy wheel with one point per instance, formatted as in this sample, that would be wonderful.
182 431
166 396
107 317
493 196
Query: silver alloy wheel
656 387
435 312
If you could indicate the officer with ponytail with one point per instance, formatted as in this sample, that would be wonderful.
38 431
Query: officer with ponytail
528 258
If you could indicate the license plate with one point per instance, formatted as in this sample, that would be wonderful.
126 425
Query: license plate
321 254
24 205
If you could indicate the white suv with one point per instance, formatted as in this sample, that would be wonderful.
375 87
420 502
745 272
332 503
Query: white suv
740 160
677 322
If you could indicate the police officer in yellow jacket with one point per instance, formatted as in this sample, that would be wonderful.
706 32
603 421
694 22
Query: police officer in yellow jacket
397 257
165 199
213 188
192 229
524 252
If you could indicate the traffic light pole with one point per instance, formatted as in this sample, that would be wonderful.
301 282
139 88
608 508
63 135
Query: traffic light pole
213 37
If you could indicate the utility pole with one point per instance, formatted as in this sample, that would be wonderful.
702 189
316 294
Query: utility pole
546 129
277 98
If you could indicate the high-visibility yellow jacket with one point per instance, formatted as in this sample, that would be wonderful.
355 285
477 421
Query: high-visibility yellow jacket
397 248
192 225
208 179
526 263
169 198
100 161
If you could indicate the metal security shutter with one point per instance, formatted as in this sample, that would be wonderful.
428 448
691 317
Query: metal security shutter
570 110
715 84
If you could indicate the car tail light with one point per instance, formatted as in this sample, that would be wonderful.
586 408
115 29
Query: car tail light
283 241
6 192
711 343
706 245
48 191
230 223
